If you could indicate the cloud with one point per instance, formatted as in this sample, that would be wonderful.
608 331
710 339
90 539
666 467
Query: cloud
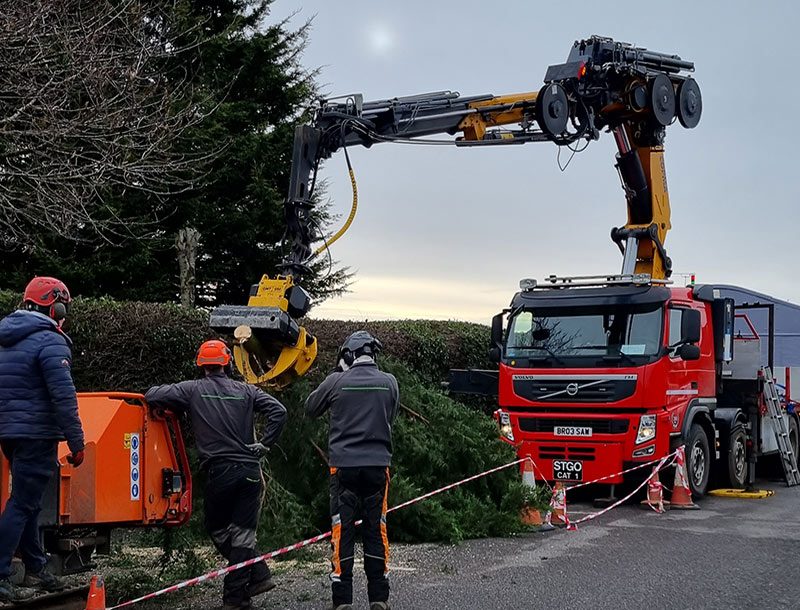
393 298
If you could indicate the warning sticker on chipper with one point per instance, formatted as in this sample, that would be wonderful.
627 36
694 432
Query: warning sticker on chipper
134 449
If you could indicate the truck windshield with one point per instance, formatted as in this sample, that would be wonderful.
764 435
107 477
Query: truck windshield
610 331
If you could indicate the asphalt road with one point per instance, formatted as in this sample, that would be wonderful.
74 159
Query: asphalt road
731 554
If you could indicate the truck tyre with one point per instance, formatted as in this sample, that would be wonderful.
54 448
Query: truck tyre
698 461
736 458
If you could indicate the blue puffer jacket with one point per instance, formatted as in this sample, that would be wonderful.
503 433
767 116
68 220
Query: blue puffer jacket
37 394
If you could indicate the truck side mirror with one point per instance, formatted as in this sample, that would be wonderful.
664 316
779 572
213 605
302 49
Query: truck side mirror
689 351
495 350
690 326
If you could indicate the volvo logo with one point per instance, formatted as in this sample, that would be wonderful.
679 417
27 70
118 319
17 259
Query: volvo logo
572 389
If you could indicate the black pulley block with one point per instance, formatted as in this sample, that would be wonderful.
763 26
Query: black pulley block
552 110
637 98
662 99
690 103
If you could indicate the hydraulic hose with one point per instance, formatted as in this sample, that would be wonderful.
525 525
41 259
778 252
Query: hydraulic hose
353 209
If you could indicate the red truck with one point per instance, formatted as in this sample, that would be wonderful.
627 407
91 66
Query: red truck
599 374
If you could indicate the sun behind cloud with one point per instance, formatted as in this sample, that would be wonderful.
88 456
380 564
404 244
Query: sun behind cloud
380 37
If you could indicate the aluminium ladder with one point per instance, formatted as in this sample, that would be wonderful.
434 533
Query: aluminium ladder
775 411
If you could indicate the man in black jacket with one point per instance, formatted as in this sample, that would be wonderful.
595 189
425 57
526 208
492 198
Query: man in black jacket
221 412
38 408
363 402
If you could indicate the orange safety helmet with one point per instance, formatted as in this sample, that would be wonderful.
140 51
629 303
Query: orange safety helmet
49 296
213 353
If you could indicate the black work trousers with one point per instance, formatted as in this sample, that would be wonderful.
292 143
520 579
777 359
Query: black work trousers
33 463
232 505
359 493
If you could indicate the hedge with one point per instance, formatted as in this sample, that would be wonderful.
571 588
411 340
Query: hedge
126 346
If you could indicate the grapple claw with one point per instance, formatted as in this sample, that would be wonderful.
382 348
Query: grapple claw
270 347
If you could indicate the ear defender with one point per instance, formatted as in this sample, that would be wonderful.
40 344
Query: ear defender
58 311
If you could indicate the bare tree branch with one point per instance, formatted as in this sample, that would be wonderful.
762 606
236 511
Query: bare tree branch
92 102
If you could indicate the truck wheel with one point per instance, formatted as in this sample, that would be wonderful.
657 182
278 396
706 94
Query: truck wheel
737 458
698 461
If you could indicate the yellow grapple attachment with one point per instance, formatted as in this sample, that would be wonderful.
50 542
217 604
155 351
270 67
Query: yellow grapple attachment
270 348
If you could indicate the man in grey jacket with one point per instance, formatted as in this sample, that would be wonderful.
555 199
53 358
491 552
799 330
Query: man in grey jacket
221 412
363 402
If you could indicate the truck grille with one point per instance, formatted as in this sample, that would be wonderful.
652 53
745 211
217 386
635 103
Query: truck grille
574 389
598 426
561 452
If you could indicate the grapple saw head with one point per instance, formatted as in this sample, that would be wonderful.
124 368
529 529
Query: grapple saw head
269 347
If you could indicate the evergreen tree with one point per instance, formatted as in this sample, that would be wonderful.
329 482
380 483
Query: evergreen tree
248 78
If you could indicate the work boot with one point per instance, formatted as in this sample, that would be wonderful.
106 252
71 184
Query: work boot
257 588
9 592
379 606
43 581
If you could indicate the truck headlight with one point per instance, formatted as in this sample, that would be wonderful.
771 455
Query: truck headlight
505 426
647 429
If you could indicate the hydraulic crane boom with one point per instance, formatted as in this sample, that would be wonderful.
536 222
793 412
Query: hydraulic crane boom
632 92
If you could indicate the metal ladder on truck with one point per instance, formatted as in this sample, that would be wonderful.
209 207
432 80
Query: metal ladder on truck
775 411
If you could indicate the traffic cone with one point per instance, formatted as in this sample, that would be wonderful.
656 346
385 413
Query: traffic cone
528 475
97 594
681 494
655 493
558 507
530 516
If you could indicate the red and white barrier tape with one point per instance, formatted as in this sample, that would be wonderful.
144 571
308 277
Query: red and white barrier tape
293 547
662 464
609 476
297 545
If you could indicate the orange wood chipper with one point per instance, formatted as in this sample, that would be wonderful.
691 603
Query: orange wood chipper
136 473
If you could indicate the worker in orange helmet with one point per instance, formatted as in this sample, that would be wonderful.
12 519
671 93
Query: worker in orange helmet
38 408
222 411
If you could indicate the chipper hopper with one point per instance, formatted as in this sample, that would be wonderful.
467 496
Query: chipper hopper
135 474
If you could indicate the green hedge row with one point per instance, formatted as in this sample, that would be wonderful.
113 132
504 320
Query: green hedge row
122 346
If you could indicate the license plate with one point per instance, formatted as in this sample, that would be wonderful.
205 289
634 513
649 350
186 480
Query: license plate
572 431
567 470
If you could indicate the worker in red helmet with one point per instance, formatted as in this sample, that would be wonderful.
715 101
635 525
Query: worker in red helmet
38 408
222 411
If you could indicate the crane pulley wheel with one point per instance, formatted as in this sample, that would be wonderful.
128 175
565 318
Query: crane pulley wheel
690 103
552 110
662 99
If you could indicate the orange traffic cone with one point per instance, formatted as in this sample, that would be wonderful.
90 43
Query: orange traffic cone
97 594
528 475
681 494
655 493
529 516
558 507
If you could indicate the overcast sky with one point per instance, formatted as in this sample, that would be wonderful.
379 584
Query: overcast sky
447 233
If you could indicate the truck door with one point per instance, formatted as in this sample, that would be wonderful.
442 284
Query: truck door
690 379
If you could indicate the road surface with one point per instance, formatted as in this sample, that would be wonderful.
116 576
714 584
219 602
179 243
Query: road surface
731 554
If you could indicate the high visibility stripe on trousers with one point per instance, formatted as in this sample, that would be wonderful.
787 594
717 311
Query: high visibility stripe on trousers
384 535
336 540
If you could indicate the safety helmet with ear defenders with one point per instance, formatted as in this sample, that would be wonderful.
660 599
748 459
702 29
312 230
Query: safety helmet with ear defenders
360 343
49 296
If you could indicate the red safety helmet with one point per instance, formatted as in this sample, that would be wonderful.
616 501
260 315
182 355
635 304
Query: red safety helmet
213 353
48 292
